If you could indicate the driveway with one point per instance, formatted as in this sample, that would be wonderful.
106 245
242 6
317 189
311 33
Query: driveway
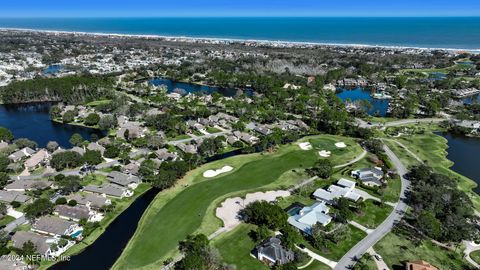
399 211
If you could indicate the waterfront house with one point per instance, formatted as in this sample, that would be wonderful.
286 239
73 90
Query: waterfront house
74 213
79 150
343 189
92 201
124 180
309 216
20 154
369 176
13 196
271 252
55 226
111 190
36 160
23 185
13 264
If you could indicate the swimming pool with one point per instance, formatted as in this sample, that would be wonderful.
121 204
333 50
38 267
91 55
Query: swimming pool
76 234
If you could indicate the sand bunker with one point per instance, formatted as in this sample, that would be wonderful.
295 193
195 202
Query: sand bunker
213 173
324 153
228 211
340 145
305 146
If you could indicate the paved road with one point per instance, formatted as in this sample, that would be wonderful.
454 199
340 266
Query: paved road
199 137
469 248
362 155
364 124
371 239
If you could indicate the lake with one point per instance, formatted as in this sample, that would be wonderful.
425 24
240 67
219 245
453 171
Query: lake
463 151
32 121
379 106
472 99
184 88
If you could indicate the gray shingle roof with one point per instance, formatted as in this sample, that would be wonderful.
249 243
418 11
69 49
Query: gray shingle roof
273 249
52 225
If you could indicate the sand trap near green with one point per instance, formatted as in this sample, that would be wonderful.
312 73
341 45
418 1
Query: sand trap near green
168 221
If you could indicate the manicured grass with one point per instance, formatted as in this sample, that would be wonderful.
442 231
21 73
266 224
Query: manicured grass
475 256
373 214
316 265
5 220
98 102
213 130
395 249
235 248
94 179
432 149
190 206
335 251
121 205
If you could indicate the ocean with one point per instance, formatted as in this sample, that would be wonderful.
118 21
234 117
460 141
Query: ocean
429 32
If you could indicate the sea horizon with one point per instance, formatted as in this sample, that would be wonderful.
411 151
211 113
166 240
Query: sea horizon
443 33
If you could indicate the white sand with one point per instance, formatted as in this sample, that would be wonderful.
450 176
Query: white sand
324 153
213 173
305 146
340 145
228 211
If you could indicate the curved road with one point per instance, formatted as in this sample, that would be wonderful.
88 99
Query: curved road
371 239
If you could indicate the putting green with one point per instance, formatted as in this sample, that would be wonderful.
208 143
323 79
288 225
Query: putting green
170 219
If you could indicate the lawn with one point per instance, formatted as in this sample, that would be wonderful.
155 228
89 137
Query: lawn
373 214
94 179
432 149
5 220
179 137
190 206
337 250
98 102
395 249
213 130
475 256
235 248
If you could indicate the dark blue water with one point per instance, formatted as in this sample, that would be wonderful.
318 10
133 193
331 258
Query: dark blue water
463 151
52 69
103 253
472 99
449 32
32 121
185 88
379 106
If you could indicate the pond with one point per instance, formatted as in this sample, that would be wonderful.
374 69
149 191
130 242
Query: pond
32 121
52 69
379 106
472 99
463 151
184 88
103 253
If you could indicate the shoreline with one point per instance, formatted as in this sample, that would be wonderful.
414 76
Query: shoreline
273 43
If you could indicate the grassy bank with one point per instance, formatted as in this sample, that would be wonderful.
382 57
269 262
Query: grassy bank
189 206
122 205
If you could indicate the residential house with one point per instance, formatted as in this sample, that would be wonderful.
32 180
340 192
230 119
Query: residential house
369 176
124 180
92 201
13 196
55 226
111 190
187 148
20 154
344 189
309 216
74 213
12 264
131 168
164 155
79 150
41 243
96 147
23 185
36 160
420 265
272 252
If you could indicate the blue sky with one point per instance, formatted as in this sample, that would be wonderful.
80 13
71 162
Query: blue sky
206 8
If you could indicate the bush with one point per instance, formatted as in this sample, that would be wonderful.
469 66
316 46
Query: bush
72 203
61 200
